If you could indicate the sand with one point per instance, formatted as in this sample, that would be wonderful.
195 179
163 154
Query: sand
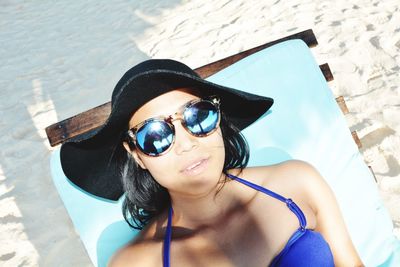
59 58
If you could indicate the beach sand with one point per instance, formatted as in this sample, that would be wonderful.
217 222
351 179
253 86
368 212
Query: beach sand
61 58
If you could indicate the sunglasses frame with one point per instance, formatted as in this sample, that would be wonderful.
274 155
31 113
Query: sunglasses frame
214 100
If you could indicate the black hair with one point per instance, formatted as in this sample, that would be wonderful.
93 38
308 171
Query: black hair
145 198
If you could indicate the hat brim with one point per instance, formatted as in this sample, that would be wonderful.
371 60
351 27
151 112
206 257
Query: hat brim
87 160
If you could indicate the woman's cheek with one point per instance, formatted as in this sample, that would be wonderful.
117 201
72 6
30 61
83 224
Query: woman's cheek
161 168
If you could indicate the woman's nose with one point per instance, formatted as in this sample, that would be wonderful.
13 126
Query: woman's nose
184 141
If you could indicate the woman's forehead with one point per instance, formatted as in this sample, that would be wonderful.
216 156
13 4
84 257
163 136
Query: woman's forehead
163 105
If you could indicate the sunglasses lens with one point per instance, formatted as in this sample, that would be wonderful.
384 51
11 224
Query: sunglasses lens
201 118
154 137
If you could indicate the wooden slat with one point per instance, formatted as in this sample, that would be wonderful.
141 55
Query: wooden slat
207 70
373 173
91 119
342 105
326 71
86 121
356 139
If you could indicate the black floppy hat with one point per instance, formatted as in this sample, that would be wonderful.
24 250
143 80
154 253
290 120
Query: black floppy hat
87 160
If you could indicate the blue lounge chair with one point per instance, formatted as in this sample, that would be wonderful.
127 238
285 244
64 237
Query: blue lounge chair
304 123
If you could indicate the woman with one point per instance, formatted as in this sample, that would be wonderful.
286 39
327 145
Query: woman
172 144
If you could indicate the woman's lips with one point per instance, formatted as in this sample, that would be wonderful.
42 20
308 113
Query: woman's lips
195 167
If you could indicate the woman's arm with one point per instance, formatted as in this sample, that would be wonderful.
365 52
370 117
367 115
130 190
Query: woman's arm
330 222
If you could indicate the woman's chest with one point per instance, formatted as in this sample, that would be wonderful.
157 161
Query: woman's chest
251 236
225 246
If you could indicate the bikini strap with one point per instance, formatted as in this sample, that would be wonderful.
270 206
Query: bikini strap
167 239
289 202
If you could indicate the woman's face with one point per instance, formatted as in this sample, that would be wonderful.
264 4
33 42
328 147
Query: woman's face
193 165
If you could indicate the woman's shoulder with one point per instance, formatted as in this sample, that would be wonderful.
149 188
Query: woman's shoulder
291 178
293 171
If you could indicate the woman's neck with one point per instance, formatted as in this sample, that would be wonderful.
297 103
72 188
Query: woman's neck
205 210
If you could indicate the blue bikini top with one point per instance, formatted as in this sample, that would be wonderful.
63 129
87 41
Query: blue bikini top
304 248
